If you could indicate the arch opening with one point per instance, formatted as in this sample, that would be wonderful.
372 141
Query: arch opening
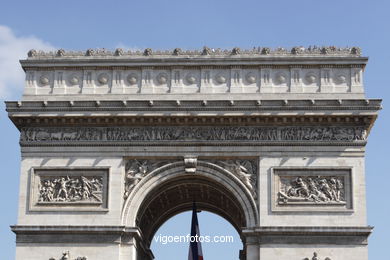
168 191
177 195
220 240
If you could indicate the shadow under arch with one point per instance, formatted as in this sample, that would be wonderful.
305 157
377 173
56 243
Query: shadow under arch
169 190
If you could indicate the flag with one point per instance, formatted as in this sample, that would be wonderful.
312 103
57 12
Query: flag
195 250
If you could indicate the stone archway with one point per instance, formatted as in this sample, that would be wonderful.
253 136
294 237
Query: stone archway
170 189
287 115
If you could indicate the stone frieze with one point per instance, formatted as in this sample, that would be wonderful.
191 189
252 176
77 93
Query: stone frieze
193 133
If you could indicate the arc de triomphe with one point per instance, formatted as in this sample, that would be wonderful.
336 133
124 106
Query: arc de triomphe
115 143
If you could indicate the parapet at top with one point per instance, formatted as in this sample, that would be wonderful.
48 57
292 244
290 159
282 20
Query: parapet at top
263 51
208 74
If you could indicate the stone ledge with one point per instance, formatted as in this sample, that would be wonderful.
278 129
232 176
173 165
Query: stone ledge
309 235
76 234
296 230
261 235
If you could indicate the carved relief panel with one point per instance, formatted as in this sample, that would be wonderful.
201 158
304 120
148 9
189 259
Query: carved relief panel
194 133
69 189
311 189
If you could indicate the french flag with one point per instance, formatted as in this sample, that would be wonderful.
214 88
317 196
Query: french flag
195 250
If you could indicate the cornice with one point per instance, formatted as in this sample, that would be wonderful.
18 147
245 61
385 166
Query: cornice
196 105
23 229
198 63
142 120
170 112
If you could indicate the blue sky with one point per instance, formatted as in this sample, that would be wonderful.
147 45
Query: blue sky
76 25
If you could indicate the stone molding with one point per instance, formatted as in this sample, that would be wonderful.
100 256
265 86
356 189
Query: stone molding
72 234
324 235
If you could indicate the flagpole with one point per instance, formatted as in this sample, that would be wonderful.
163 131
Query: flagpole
195 249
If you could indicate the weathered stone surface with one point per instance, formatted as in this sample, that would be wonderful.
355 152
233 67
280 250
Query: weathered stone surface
115 143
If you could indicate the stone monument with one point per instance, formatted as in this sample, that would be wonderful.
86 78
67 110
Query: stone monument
115 143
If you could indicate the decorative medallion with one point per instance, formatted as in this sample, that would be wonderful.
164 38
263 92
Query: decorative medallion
132 79
310 78
191 79
340 79
73 79
162 78
250 77
44 80
220 78
103 78
280 78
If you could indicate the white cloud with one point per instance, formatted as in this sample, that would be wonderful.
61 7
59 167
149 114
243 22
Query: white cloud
128 48
12 49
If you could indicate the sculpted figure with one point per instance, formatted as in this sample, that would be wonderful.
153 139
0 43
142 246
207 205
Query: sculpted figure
317 195
302 189
46 191
137 170
315 257
63 192
299 189
333 188
339 187
85 188
243 173
65 256
244 170
325 188
74 189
